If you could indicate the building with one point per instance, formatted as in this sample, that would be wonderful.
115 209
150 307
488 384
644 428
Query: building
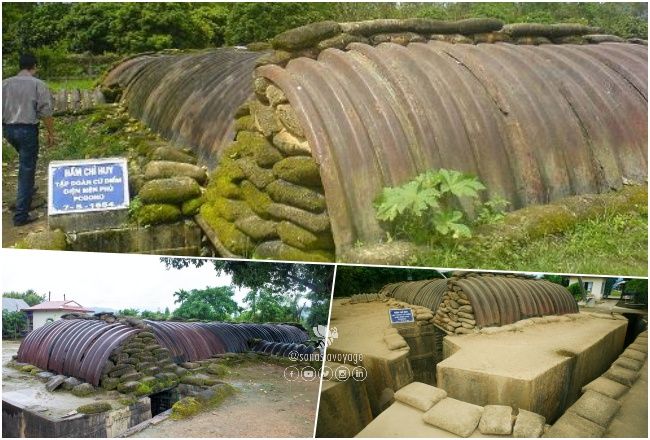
48 311
13 304
595 286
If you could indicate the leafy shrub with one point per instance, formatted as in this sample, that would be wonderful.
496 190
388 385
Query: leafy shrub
423 208
576 291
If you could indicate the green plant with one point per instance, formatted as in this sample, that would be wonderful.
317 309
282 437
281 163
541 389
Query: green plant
575 290
423 208
491 211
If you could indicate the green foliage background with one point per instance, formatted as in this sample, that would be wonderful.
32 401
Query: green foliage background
99 28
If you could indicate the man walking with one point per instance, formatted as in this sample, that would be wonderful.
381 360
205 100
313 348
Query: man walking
25 100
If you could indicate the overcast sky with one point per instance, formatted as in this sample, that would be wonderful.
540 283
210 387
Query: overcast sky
115 281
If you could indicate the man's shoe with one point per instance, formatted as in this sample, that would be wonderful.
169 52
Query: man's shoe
28 220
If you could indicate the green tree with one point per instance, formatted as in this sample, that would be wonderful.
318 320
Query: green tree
129 312
638 288
29 296
13 324
210 304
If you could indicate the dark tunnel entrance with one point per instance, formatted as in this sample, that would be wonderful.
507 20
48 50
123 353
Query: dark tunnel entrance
164 400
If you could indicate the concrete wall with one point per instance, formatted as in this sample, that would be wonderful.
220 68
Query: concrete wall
41 317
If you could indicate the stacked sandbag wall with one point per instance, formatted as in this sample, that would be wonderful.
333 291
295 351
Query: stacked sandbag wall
477 300
265 199
167 182
75 101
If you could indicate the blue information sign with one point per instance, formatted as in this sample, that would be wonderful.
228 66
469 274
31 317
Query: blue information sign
88 185
400 316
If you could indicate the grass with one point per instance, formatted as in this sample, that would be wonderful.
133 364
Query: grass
105 132
70 84
613 243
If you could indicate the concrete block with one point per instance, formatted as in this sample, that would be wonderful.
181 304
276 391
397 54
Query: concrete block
596 407
460 418
420 395
528 425
496 420
344 409
606 387
572 425
621 375
89 221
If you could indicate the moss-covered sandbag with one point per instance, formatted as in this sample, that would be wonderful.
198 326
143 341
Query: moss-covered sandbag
157 213
94 408
245 123
258 176
160 169
301 170
230 237
548 30
298 196
303 239
257 228
291 145
172 154
254 145
316 223
257 200
193 206
186 407
275 95
277 250
306 36
169 190
265 120
401 38
289 119
341 41
601 38
228 209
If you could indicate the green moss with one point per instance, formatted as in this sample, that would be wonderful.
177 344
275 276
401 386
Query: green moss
192 207
27 368
301 170
186 407
230 210
46 240
245 123
172 154
110 383
143 389
254 145
94 408
257 200
258 176
157 213
222 186
303 239
257 228
298 196
540 220
83 390
217 370
232 238
128 401
278 250
197 380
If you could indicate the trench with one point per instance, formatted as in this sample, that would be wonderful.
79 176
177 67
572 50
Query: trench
163 400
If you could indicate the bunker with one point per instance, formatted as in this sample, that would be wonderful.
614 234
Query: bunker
540 361
122 372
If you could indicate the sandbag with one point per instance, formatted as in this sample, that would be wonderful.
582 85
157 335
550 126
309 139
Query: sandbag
528 425
159 169
170 190
420 395
606 387
306 36
595 407
452 415
496 420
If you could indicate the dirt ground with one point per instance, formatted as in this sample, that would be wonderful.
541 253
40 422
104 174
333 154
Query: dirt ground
267 405
10 233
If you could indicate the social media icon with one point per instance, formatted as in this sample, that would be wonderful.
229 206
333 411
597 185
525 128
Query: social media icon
327 373
359 374
342 374
291 373
309 373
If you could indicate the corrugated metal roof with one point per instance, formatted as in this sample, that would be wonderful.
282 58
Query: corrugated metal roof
13 304
67 306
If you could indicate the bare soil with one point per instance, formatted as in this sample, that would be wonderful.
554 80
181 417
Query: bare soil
267 405
10 233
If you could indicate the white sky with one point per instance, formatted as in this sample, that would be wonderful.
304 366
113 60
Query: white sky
116 281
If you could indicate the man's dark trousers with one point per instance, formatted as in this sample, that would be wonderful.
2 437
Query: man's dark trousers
24 138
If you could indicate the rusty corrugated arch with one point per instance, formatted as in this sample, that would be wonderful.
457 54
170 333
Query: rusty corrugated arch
74 347
193 341
426 293
534 123
498 300
189 99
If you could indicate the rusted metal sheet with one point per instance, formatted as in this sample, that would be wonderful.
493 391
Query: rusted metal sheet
74 347
189 99
284 349
498 301
534 123
426 293
192 341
